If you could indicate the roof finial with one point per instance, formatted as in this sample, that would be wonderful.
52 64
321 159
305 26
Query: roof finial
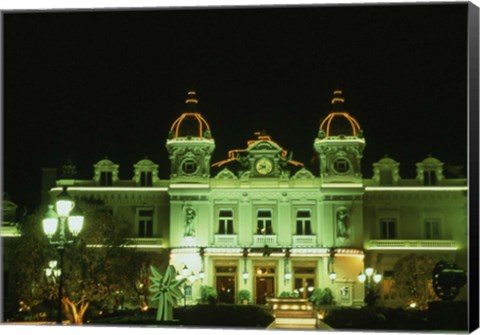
338 100
191 98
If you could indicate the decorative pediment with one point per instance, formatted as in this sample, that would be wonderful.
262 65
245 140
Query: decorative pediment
226 174
303 174
264 146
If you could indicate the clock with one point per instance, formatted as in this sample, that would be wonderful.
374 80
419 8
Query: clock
264 166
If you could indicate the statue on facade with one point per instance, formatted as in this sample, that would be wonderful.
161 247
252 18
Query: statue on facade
342 223
189 229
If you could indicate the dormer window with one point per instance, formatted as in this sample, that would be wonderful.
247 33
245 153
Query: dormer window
106 172
386 172
430 172
429 178
386 178
106 178
145 173
145 178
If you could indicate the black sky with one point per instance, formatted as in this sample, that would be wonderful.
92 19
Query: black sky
89 84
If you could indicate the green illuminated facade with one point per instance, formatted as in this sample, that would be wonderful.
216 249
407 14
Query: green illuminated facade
262 222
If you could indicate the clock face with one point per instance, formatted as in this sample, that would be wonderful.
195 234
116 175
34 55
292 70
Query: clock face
264 166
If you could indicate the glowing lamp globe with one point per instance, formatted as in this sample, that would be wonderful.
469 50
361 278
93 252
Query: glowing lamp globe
245 275
377 278
201 275
332 275
288 276
50 222
192 277
75 221
369 271
362 277
64 203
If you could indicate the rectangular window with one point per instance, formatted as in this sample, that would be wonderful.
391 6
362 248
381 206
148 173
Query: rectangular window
264 222
106 178
432 229
225 222
304 223
386 178
145 223
146 178
387 228
429 178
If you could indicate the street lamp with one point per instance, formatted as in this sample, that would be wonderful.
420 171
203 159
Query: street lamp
370 277
55 224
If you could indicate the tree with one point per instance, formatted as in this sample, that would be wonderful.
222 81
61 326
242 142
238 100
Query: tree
102 268
413 279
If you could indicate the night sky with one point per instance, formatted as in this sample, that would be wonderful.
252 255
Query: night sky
85 85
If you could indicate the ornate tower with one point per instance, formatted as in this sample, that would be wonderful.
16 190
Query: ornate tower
190 145
339 145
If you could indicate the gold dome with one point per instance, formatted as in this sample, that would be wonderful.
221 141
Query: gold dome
191 123
339 122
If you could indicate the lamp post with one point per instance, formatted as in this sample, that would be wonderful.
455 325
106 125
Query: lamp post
370 277
55 225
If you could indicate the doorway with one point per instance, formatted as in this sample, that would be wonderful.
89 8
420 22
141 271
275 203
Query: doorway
264 284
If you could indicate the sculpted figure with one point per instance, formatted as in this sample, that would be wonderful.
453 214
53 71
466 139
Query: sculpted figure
189 220
342 223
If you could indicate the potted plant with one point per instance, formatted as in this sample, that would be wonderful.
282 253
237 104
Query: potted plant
208 295
244 297
322 297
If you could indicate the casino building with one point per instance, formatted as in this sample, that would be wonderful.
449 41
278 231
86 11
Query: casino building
266 224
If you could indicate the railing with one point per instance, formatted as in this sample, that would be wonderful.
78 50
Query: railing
304 240
412 244
146 242
226 239
262 240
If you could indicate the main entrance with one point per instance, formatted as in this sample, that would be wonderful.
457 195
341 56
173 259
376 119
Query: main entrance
264 283
225 282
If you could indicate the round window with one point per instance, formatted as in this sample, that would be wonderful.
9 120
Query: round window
189 166
341 165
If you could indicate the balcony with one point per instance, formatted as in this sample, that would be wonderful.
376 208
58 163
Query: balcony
147 242
261 240
223 239
411 245
304 240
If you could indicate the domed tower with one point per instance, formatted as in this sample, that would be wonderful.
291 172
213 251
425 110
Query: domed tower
190 145
340 144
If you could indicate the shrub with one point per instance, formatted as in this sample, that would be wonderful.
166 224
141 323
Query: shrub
208 294
243 295
322 297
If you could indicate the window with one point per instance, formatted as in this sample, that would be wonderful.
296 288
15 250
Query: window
225 222
304 223
106 178
386 178
432 229
387 228
146 179
304 280
341 165
264 222
145 223
189 166
429 178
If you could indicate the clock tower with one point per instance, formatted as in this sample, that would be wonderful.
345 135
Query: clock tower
340 145
190 145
